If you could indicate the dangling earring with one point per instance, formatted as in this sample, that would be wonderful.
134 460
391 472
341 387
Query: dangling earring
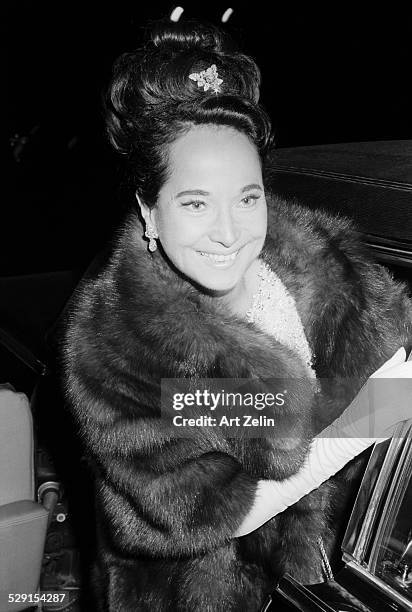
152 235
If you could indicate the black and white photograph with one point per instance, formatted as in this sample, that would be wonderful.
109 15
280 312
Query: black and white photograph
206 308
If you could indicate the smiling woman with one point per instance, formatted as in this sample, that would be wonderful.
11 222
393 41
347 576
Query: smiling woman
233 284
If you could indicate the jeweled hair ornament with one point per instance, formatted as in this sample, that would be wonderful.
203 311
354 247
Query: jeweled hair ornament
208 79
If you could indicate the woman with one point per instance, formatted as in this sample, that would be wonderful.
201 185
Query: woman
229 283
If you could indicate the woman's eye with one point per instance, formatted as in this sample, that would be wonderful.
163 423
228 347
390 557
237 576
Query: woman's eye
250 200
194 205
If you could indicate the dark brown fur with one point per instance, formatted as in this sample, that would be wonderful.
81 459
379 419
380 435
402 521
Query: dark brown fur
167 507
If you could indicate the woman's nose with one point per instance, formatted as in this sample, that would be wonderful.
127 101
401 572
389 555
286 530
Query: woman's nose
224 230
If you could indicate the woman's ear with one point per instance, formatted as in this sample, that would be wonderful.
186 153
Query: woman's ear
150 229
146 212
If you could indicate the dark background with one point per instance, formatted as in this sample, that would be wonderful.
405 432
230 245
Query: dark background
330 75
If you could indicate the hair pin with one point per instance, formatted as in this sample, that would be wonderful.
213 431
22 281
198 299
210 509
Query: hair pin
208 79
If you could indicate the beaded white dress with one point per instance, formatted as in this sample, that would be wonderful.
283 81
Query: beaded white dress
274 311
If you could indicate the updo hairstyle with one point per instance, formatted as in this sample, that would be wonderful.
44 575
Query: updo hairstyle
151 100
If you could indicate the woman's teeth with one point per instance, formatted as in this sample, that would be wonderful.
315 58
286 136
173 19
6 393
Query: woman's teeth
220 258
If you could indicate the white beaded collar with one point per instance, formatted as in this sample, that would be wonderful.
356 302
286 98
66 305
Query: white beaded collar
274 311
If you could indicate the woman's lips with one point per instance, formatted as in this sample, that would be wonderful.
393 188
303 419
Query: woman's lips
218 258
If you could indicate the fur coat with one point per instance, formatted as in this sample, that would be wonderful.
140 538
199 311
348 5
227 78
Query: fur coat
167 507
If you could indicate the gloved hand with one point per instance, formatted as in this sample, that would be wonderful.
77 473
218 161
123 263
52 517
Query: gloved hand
383 402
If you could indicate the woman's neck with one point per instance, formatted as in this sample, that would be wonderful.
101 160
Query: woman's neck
240 298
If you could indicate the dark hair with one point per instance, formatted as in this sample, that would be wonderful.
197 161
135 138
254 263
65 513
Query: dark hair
151 100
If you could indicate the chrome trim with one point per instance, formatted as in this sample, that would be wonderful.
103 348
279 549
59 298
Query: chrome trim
357 553
300 596
362 506
22 352
402 473
404 246
390 250
362 571
339 176
392 254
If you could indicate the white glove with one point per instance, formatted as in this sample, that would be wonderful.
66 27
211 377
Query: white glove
383 402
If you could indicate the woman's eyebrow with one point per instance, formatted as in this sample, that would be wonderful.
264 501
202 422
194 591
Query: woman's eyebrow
193 192
251 186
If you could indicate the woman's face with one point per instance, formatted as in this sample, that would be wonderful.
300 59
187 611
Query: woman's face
211 212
